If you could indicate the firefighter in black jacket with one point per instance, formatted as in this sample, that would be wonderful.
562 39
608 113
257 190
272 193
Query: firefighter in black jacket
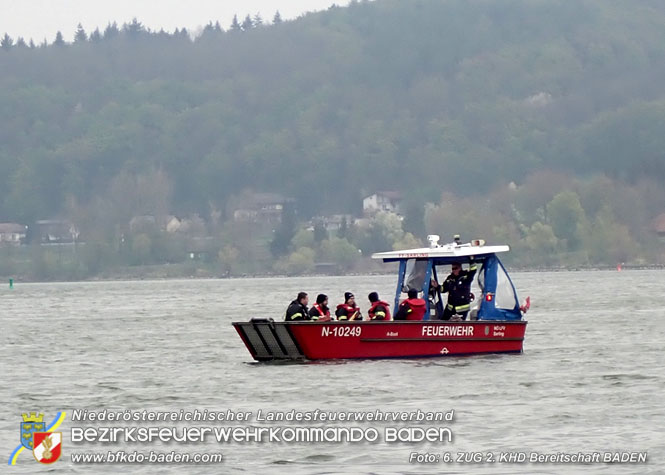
458 286
298 308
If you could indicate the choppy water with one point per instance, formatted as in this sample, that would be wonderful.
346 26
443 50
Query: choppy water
591 377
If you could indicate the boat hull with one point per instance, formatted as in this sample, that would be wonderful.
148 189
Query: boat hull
269 340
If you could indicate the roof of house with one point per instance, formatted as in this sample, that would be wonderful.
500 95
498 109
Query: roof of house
12 228
268 198
391 195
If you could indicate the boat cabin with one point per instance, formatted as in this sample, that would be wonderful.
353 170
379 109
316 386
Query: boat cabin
494 294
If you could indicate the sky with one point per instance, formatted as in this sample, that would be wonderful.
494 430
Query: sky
41 19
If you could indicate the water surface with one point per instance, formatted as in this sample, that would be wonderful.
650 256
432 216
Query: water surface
590 379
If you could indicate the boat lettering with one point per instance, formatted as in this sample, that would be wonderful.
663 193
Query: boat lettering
448 330
392 334
411 254
341 330
499 330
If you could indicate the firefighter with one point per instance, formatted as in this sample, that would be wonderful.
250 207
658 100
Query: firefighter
348 310
379 310
320 311
413 308
458 286
298 308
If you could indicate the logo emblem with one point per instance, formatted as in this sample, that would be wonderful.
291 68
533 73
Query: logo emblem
31 423
48 446
39 438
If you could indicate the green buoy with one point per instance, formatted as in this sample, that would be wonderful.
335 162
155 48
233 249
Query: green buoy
11 283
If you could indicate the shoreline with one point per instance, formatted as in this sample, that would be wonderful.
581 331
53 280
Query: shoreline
150 277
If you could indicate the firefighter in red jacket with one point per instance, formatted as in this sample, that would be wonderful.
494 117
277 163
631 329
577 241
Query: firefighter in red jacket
348 310
320 311
412 308
379 310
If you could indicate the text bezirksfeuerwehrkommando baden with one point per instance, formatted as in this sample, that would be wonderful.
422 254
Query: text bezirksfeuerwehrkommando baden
229 415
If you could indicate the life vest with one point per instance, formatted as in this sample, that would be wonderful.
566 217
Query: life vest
323 314
416 308
345 312
381 315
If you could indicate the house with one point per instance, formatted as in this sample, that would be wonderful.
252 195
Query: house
192 226
172 224
387 201
261 208
55 231
12 233
333 222
201 249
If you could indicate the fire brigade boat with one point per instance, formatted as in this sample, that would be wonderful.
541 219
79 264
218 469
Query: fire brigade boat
495 322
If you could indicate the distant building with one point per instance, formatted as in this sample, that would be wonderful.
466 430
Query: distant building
55 231
333 222
172 224
261 208
386 201
12 233
201 249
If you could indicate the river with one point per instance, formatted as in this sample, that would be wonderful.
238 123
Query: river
590 379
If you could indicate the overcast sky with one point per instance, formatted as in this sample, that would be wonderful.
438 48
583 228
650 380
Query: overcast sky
39 19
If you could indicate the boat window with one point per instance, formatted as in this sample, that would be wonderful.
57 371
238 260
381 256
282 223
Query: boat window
477 287
505 295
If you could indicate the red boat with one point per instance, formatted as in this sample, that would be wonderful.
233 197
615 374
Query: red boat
495 325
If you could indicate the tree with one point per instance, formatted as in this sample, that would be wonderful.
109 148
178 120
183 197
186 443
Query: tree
228 258
284 233
298 262
414 218
134 28
141 248
95 36
184 34
408 241
343 230
247 23
610 242
207 29
111 31
277 19
7 42
320 232
387 227
542 241
257 20
59 40
567 217
80 36
340 251
303 238
235 25
20 42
